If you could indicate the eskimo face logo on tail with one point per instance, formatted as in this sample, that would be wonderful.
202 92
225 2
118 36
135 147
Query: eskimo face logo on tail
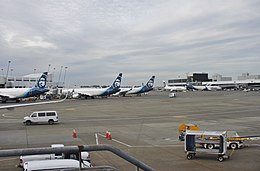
42 81
117 83
150 82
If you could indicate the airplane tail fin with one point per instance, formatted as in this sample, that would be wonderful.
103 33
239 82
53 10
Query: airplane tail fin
150 83
42 80
189 86
117 83
164 84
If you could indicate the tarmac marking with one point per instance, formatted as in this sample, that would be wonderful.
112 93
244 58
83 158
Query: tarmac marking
143 146
70 109
115 140
8 116
180 116
169 139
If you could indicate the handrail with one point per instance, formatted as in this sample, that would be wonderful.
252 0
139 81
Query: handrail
76 149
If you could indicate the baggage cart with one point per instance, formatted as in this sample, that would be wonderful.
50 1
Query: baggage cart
191 149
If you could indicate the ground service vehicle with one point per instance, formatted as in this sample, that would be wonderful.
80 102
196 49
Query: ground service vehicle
62 164
233 141
27 158
42 117
183 127
172 95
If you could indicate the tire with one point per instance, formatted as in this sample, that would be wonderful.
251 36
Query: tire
233 146
51 122
189 156
28 122
220 158
210 146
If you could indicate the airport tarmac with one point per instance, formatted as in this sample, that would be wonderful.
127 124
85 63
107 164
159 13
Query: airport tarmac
146 127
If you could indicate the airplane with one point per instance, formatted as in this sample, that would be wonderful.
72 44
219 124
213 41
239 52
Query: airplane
19 93
92 92
196 87
122 91
212 87
173 88
143 89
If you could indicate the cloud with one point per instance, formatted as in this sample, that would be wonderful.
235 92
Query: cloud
98 39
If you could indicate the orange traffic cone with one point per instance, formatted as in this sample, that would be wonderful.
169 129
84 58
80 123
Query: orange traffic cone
109 136
74 133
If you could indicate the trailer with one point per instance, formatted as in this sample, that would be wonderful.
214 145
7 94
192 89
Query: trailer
191 149
234 141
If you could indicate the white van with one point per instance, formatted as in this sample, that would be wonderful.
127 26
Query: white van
42 117
62 164
27 158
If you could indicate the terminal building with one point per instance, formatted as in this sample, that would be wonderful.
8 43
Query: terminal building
197 78
247 76
24 81
218 77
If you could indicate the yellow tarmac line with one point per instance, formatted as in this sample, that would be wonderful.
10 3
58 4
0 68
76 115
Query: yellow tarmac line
180 116
70 109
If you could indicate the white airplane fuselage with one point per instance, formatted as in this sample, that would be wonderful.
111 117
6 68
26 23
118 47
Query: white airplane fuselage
15 93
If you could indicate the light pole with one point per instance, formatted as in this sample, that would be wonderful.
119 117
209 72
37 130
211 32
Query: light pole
49 68
60 75
53 75
65 75
6 79
12 71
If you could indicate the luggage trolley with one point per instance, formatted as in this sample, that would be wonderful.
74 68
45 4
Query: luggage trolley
192 136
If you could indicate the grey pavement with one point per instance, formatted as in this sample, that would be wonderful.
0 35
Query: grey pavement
145 127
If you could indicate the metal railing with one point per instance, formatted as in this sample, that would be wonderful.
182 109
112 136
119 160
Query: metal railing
76 149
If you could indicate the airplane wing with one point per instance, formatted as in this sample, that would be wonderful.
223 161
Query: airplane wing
11 107
85 94
123 91
6 96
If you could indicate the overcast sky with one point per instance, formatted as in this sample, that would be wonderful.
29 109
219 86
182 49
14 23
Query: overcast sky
97 39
